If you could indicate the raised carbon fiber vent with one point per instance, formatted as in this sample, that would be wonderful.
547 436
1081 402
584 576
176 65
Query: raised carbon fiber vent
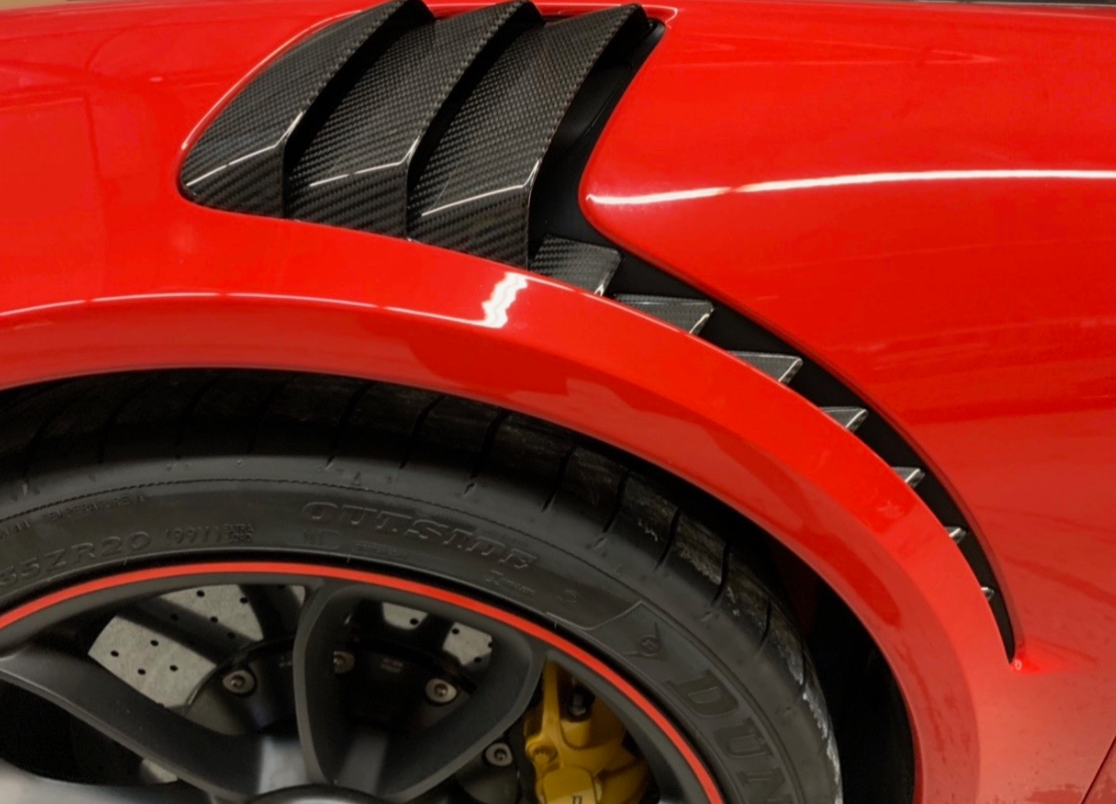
471 133
238 163
396 123
354 170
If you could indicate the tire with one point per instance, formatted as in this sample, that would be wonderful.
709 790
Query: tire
132 470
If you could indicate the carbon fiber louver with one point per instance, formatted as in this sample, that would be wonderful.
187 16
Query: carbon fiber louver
471 133
396 123
238 163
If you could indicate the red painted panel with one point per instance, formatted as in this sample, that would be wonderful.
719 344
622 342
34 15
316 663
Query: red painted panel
922 197
972 308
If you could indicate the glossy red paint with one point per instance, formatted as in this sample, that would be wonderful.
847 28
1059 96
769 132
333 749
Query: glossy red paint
107 268
281 568
922 197
1103 790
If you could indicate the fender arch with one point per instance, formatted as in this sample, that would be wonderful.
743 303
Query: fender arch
248 292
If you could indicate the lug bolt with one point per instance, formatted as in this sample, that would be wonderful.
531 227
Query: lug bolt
580 704
498 755
343 662
439 691
239 682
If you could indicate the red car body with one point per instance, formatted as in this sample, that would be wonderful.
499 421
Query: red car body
920 197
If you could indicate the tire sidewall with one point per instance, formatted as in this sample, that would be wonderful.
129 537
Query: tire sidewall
686 650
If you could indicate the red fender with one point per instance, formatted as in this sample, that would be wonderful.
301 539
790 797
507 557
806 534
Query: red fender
106 268
252 292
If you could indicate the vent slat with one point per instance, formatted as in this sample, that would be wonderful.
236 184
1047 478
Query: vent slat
911 475
848 417
583 265
687 314
781 368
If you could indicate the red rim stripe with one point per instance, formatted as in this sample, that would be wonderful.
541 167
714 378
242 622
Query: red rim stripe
398 584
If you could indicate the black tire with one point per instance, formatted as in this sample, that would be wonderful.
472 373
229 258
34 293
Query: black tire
128 469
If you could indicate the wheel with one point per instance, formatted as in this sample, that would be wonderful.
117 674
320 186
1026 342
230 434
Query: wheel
288 589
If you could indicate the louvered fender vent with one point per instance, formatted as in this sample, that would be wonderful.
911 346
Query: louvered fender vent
471 133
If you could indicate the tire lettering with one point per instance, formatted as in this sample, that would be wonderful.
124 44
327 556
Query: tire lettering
55 559
83 552
769 787
742 740
425 529
319 511
705 695
139 541
399 523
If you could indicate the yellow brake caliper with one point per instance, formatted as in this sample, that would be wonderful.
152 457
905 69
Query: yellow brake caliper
577 747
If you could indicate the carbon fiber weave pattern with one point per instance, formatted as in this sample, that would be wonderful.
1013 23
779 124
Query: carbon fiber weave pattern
237 164
354 171
474 191
583 265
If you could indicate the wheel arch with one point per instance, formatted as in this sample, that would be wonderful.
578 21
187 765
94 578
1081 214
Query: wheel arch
256 293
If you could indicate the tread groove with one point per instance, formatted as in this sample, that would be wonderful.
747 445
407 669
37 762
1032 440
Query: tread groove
187 415
489 439
32 448
618 503
260 419
672 536
416 431
343 421
726 565
110 422
563 463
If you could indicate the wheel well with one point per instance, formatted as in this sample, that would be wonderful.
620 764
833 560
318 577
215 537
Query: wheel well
869 715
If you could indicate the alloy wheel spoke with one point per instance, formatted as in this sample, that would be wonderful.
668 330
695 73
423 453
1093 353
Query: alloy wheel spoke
276 608
223 765
325 733
414 765
20 787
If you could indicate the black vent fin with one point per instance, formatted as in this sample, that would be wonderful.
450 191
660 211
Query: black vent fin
687 314
583 265
238 162
473 191
354 170
911 475
781 368
848 417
